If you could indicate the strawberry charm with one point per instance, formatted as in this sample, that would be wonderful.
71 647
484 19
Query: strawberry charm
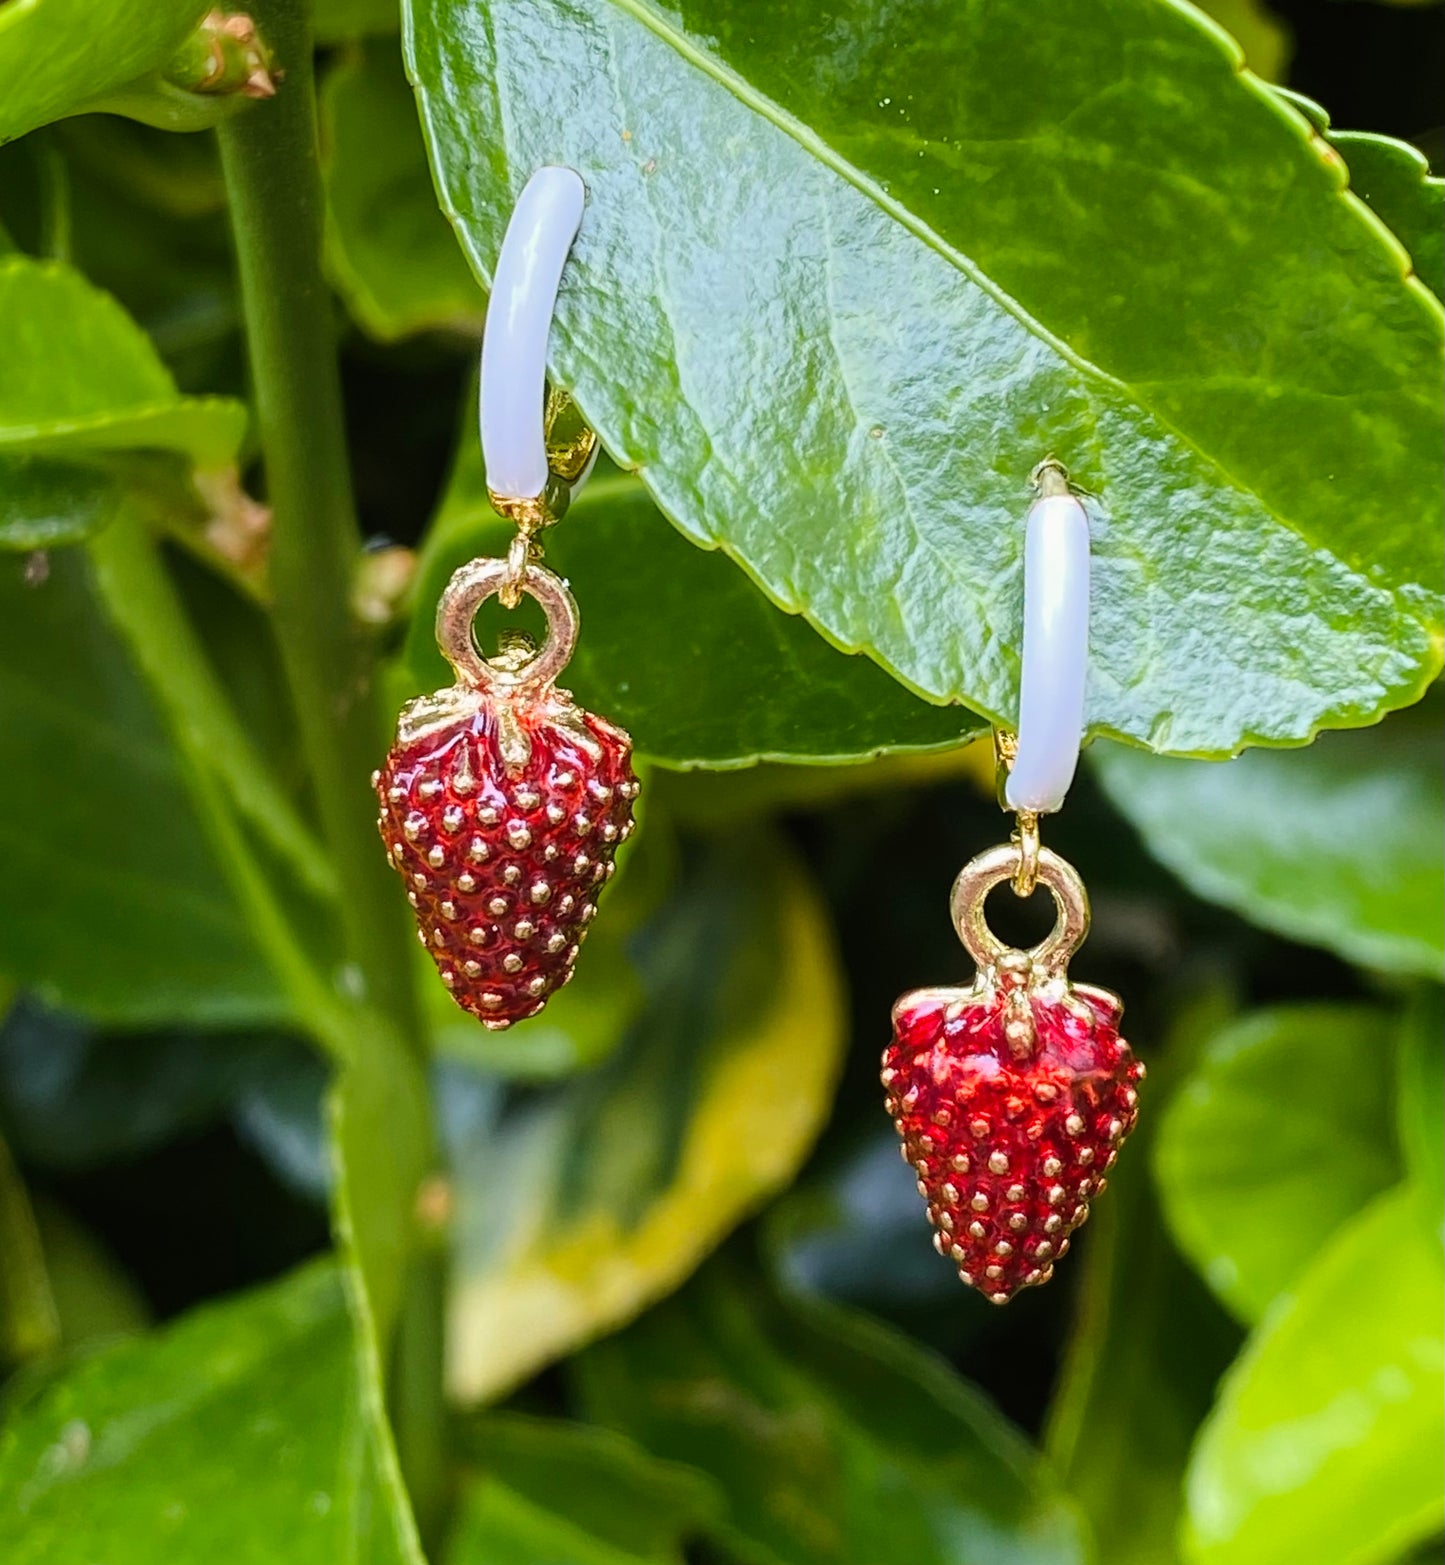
502 806
1013 1096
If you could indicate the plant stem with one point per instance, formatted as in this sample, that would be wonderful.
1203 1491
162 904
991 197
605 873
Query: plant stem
272 168
269 155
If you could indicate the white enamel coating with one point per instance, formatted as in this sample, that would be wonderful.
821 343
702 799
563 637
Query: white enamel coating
1056 654
519 318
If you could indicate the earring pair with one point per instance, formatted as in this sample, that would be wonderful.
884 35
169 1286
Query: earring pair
503 803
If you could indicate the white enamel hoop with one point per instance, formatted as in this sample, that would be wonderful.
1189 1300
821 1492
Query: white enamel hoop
1055 655
513 382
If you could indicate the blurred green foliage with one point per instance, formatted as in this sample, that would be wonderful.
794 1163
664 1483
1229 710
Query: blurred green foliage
847 272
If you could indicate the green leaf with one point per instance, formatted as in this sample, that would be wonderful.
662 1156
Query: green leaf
79 376
850 1231
94 1298
29 1322
1393 179
832 1439
112 903
1338 845
74 1098
235 1433
717 677
81 392
552 1491
338 20
45 503
1421 1113
1283 1132
148 225
1263 38
848 273
719 797
1147 1345
58 57
578 1206
389 252
1326 1442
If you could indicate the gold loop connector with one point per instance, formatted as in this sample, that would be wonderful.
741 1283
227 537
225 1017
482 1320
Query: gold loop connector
981 875
1026 839
468 589
522 552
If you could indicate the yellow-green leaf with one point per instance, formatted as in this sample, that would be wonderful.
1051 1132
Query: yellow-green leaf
1327 1441
1285 1130
578 1206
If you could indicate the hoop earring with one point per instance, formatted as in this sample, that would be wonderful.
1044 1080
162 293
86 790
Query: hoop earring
502 801
1013 1096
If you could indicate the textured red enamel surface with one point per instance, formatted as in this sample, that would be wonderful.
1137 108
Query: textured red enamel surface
1009 1147
503 868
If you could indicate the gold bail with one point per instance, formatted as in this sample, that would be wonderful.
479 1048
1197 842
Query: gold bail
1025 835
570 444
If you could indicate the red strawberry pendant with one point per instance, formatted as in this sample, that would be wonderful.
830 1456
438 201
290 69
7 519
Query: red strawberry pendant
502 806
1013 1096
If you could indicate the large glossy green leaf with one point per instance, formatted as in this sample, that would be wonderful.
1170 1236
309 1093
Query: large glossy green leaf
833 1439
579 1205
1328 1438
678 646
389 252
1338 845
58 56
848 272
1283 1131
235 1434
112 902
82 391
544 1491
1147 1344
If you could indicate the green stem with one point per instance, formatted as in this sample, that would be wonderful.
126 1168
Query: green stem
269 155
142 603
56 225
270 158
